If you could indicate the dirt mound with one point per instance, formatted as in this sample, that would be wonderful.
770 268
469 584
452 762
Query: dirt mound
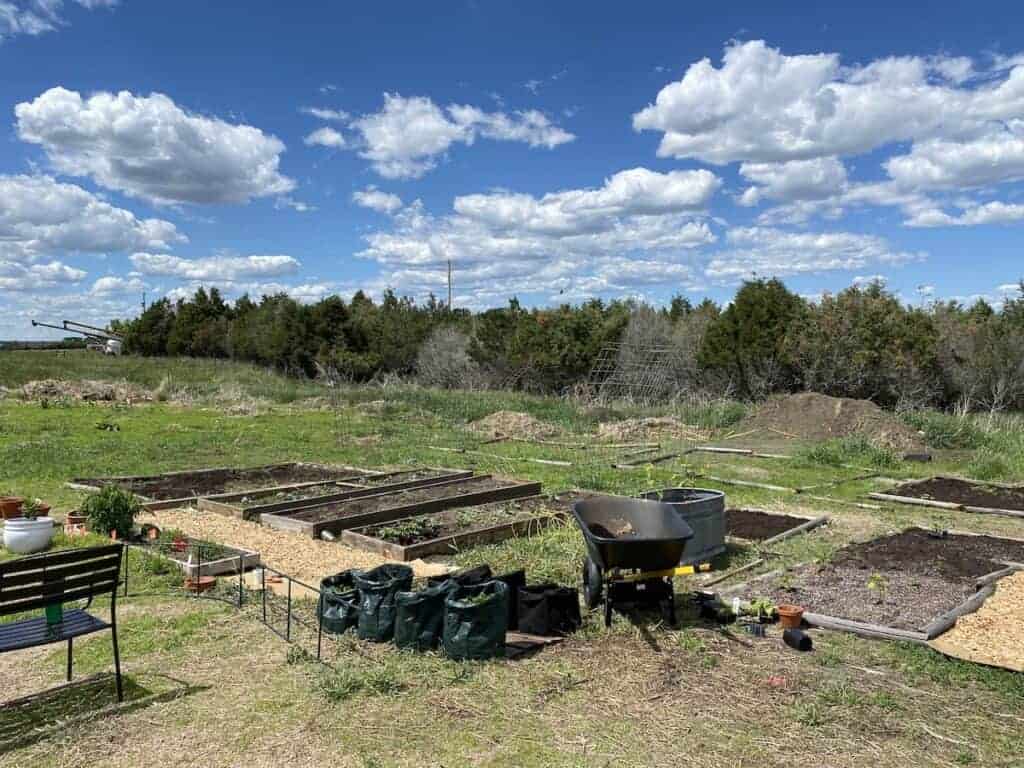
812 416
651 429
513 424
86 391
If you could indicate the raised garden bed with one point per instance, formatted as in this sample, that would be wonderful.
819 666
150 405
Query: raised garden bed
251 505
755 525
172 489
338 516
958 494
208 558
898 586
454 530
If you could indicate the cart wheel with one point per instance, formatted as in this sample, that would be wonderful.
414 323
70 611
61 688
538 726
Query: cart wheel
593 584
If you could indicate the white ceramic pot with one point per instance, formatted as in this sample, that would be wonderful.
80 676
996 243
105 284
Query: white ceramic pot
24 536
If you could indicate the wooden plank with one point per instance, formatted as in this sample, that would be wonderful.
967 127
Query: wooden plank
804 528
916 502
747 484
223 506
514 491
991 578
864 629
947 620
446 545
270 518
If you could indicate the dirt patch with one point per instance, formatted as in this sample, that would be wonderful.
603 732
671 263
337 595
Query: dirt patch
755 525
349 508
513 424
85 391
923 553
893 599
992 634
651 429
963 492
203 482
812 416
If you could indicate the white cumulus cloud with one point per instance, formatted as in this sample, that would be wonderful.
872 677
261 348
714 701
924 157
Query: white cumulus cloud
228 268
375 199
325 137
36 17
149 147
40 216
405 139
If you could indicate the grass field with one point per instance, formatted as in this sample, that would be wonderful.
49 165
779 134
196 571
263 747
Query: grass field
210 687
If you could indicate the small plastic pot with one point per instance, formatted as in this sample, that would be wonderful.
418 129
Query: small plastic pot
200 585
790 616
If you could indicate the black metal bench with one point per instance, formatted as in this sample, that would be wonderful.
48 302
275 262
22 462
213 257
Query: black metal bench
35 582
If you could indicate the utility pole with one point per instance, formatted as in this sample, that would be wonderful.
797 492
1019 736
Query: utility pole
449 285
143 302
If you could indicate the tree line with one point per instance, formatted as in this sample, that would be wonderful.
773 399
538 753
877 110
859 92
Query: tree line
861 342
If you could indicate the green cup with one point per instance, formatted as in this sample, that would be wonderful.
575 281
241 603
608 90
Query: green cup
54 613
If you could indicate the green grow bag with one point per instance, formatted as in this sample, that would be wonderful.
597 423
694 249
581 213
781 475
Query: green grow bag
419 616
338 607
475 621
377 589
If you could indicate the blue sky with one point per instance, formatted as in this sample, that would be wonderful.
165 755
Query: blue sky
553 151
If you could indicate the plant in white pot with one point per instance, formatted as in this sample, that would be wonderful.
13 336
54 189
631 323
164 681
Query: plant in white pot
32 532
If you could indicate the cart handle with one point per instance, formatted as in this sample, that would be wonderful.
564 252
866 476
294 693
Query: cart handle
682 570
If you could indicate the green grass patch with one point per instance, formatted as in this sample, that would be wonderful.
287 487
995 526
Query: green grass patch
856 450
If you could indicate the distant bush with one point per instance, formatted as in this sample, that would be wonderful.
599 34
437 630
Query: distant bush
443 361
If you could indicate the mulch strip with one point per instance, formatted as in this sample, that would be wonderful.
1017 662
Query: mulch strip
956 491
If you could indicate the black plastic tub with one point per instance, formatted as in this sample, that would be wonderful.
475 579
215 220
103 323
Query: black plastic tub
704 511
631 533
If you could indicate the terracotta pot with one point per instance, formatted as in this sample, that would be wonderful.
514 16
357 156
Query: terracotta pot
790 616
153 533
200 585
74 518
10 506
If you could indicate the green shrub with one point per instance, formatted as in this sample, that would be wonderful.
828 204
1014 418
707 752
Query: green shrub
112 509
943 430
989 465
851 450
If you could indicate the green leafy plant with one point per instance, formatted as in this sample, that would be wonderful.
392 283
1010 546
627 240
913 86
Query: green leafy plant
111 509
762 608
409 531
878 584
33 508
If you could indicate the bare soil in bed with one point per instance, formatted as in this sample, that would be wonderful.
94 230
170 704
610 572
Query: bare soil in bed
367 504
963 492
755 525
925 553
890 598
259 498
182 485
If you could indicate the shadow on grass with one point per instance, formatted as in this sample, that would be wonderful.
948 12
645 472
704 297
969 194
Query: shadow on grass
52 712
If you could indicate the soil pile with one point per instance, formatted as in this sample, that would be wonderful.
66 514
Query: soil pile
513 424
86 391
812 416
651 429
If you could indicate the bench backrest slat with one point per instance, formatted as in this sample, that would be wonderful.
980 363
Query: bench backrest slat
61 577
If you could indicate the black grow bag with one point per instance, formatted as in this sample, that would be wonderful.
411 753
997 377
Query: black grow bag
377 588
338 607
548 609
464 577
475 621
419 616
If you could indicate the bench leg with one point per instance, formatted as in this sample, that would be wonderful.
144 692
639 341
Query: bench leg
69 659
117 665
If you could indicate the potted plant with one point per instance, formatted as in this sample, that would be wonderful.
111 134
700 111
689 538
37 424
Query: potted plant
111 511
32 532
10 506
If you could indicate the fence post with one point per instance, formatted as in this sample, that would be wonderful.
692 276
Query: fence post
263 579
241 580
288 625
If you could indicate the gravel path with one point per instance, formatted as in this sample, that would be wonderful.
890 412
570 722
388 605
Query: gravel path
299 556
